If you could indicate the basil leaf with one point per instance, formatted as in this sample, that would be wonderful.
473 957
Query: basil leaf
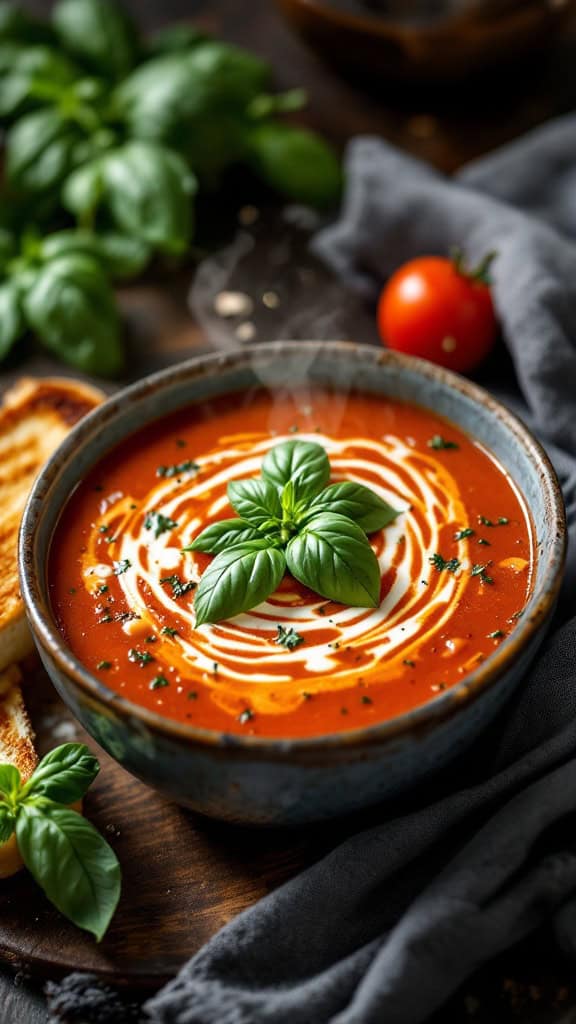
293 459
123 255
296 163
64 774
71 307
9 780
39 151
147 190
356 502
28 72
332 556
238 580
73 864
223 535
7 822
82 190
255 500
11 319
99 32
175 38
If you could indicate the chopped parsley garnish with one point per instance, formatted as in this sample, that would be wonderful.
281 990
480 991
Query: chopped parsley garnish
105 618
245 716
409 662
169 631
439 443
179 588
440 563
159 523
103 588
485 543
151 639
103 529
480 572
180 443
122 566
215 667
192 695
140 657
104 665
501 521
188 466
288 638
158 682
365 700
496 635
466 531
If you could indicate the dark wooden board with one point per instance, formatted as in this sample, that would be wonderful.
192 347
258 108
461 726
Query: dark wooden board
183 876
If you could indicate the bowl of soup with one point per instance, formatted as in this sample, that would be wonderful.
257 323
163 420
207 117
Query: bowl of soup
300 707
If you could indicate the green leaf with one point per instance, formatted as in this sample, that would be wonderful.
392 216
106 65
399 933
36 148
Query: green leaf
332 556
224 535
267 104
296 163
83 189
7 823
356 502
147 189
71 307
238 580
11 319
255 500
73 864
175 38
99 32
294 459
39 151
9 780
64 774
123 255
31 74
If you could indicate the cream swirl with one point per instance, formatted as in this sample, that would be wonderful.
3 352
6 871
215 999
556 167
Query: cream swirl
417 601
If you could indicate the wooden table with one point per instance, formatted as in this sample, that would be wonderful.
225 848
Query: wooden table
532 983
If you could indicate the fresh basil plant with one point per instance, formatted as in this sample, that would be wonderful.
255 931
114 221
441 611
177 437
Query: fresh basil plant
292 519
65 854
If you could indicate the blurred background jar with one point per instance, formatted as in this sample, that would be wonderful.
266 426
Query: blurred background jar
427 41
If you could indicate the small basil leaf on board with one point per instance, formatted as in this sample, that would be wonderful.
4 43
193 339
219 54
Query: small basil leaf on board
255 500
9 780
99 32
7 823
147 188
11 318
72 863
238 580
332 556
223 535
39 151
71 307
294 459
358 503
64 774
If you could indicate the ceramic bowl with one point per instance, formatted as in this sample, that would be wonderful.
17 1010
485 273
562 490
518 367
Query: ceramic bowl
268 781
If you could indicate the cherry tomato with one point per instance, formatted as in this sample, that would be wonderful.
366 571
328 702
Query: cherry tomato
433 308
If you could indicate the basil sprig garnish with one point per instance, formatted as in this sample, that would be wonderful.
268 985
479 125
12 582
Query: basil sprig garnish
69 859
291 518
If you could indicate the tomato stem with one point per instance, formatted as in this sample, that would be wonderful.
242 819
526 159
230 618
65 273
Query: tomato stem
479 274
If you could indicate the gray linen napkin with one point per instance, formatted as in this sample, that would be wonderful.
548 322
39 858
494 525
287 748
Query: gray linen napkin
387 925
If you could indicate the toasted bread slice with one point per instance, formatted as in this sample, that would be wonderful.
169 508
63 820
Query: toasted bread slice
17 748
35 417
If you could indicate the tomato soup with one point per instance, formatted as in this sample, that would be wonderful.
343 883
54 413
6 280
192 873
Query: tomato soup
456 568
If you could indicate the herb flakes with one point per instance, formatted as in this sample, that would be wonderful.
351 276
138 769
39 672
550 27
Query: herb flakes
122 566
179 587
139 657
439 443
288 638
480 572
441 564
158 523
158 683
466 531
167 472
245 716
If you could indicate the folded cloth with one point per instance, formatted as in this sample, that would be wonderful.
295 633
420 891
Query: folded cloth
387 925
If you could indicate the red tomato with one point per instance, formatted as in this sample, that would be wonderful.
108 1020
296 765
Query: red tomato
434 309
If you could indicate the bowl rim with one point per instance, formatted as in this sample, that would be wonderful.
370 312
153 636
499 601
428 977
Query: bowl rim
33 581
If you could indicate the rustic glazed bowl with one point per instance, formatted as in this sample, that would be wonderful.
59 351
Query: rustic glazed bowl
259 780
